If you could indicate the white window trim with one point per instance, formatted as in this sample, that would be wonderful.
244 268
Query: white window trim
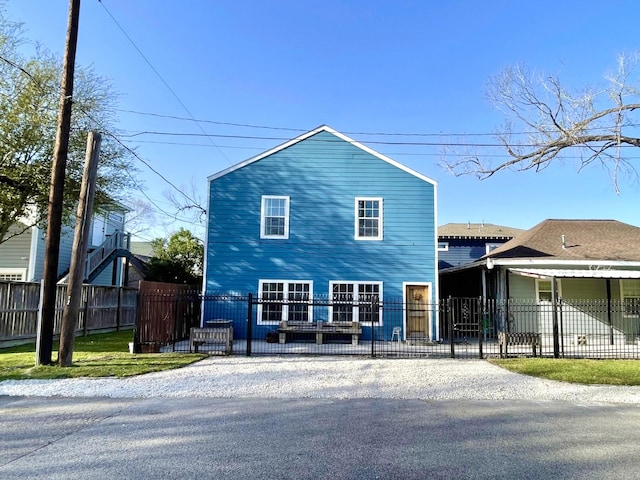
285 293
444 248
356 310
286 217
558 285
491 246
356 232
622 298
14 271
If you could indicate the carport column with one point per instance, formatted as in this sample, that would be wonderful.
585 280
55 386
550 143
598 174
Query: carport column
554 301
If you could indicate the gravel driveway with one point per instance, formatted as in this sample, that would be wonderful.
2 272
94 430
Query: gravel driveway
329 377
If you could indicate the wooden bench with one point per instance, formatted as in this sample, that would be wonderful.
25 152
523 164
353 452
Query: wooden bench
531 339
320 329
215 336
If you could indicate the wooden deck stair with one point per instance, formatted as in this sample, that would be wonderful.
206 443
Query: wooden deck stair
115 246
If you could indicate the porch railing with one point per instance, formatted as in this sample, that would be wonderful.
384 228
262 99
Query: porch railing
114 242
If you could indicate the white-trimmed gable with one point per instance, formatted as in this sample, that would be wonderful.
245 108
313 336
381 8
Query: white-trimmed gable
322 128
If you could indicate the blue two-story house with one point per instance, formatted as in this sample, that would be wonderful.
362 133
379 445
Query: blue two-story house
323 216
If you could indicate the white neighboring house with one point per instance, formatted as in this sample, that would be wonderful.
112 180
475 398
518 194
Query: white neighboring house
22 256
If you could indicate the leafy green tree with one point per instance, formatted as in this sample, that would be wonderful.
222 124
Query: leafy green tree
29 95
177 260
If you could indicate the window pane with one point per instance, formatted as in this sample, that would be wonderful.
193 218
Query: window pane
272 312
369 308
12 277
274 221
298 292
342 302
274 226
544 290
299 312
632 306
369 218
631 297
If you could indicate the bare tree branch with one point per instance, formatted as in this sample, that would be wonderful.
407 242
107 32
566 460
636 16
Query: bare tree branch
546 121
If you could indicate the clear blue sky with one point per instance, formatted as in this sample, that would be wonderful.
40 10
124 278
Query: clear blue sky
357 66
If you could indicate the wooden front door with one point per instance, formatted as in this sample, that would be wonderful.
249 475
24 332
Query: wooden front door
417 310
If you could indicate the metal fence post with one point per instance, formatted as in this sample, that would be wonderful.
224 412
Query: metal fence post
450 323
374 305
249 323
176 319
554 302
481 325
561 327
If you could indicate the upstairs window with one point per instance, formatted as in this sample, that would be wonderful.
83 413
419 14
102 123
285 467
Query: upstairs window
274 217
490 247
368 219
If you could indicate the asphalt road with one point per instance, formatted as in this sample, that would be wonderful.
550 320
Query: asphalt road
189 438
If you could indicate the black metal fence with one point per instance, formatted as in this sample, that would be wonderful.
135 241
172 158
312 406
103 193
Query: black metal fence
452 328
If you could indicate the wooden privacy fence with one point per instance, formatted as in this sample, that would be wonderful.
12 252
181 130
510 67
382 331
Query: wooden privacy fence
166 313
102 308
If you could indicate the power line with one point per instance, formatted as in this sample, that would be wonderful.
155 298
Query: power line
148 165
164 82
389 154
303 130
113 136
331 140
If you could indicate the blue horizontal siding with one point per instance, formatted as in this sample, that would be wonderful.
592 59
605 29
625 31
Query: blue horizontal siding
322 179
463 251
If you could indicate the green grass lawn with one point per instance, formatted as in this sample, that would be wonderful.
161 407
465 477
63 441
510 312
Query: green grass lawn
100 355
591 372
107 355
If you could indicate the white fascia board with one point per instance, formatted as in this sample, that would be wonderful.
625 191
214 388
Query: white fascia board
511 262
491 263
265 154
322 128
604 273
381 156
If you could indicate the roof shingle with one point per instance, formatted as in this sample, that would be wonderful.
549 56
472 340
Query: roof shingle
477 230
575 240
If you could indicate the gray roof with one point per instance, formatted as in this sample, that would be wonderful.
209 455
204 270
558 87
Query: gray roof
575 240
477 230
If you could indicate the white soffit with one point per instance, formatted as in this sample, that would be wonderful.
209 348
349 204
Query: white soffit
575 273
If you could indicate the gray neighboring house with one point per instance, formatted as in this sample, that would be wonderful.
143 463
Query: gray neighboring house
141 253
22 256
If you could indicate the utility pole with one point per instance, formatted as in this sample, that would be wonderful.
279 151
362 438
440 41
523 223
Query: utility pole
79 252
56 191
